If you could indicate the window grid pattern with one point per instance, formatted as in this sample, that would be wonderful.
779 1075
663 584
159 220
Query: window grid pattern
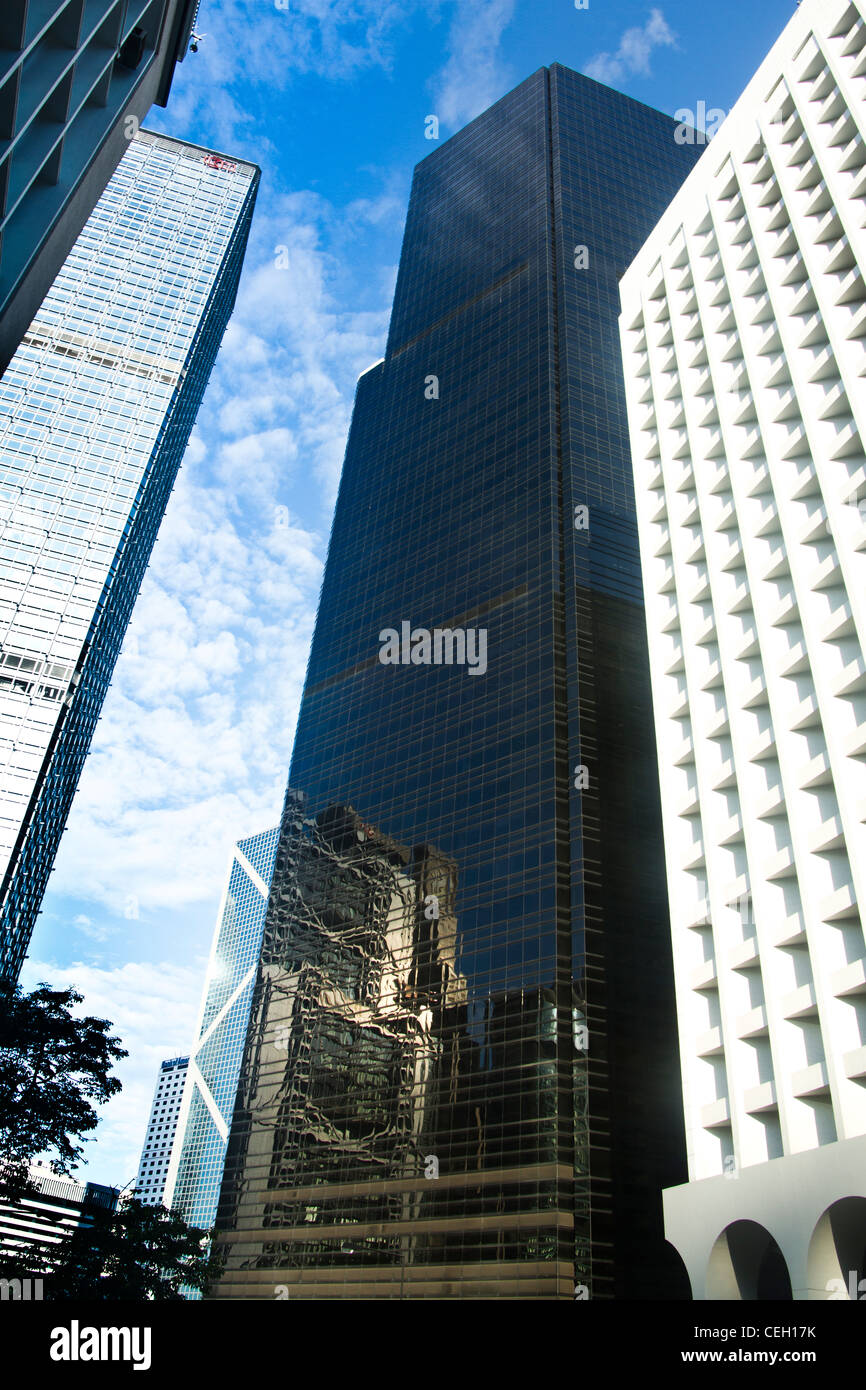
377 1040
161 1129
744 345
194 1177
96 409
68 72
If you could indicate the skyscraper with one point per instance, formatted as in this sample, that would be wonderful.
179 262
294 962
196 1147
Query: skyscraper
743 330
460 1076
95 412
195 1172
76 82
161 1130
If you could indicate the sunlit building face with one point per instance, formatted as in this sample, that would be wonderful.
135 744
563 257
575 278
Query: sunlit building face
460 1078
96 408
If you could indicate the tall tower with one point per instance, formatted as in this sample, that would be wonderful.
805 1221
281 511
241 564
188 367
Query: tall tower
77 79
460 1077
743 330
96 409
196 1168
161 1130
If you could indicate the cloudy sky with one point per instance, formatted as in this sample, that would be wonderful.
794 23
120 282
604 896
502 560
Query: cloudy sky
191 753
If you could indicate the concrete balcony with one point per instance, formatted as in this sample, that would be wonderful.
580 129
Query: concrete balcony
811 1081
759 1098
854 1064
850 980
704 977
744 955
709 1044
800 1003
752 1024
717 1115
830 835
840 906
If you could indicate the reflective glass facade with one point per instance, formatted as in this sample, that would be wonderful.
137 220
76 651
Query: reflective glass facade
461 1073
76 77
196 1169
96 408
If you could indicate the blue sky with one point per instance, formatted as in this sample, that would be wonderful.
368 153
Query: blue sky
193 746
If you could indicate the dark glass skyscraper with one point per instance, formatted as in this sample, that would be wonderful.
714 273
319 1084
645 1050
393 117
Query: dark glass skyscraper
461 1074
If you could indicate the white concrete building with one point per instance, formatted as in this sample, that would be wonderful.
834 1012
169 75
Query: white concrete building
161 1130
744 342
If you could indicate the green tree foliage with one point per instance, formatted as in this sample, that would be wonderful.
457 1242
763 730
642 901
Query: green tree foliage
54 1068
138 1253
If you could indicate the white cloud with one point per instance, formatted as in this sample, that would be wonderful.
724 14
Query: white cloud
153 1009
334 39
94 930
389 206
474 75
300 338
634 52
193 746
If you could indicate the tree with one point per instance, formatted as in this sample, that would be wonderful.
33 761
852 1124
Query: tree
53 1068
137 1253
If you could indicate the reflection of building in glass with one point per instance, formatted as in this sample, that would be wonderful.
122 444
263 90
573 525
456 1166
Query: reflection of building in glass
458 1047
352 974
743 333
96 408
195 1171
372 1083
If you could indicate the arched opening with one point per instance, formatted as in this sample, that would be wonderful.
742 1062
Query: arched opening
675 1277
836 1266
746 1264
